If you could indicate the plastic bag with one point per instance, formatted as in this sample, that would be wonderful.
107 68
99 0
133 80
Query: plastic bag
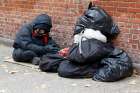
50 62
71 70
90 51
116 66
98 19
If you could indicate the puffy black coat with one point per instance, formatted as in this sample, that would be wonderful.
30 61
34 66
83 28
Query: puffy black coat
25 41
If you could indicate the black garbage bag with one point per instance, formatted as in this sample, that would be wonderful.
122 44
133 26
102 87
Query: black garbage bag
50 62
117 66
98 19
71 70
92 50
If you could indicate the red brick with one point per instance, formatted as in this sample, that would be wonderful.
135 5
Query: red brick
130 1
138 5
133 10
135 47
135 36
64 13
136 21
137 15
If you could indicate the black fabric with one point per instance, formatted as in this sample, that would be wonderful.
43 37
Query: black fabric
42 19
98 19
20 55
45 27
36 60
26 42
71 70
116 66
92 51
50 62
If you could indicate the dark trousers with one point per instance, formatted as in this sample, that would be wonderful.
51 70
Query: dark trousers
20 55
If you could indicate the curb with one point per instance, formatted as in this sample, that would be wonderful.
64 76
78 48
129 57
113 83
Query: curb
7 42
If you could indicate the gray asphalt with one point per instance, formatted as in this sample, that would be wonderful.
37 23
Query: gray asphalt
21 79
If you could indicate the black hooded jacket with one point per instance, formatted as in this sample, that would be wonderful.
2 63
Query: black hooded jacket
25 41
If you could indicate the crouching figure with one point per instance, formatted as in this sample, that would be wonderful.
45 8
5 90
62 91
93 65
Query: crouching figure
33 40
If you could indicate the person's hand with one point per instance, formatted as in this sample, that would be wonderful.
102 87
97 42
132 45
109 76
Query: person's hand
51 48
48 47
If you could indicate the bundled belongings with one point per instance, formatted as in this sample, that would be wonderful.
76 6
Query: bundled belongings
89 51
89 34
72 70
51 62
92 49
98 19
116 66
92 55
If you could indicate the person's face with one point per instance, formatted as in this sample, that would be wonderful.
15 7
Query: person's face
40 32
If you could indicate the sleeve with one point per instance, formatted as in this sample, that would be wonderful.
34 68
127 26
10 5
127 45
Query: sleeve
52 47
24 40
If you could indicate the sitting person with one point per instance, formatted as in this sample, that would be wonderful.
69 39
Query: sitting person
33 40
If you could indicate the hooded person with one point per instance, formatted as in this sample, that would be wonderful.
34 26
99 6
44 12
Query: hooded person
33 40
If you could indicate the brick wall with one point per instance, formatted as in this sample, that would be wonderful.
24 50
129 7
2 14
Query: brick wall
64 13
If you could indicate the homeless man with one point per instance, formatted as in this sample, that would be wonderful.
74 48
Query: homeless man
33 40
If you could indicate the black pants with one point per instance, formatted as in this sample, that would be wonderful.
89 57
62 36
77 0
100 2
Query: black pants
23 55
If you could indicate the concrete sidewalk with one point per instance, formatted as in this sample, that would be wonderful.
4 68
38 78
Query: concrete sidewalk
21 79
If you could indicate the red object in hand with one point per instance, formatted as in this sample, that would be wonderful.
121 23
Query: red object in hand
64 52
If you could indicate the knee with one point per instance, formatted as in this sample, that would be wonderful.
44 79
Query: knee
17 54
23 56
29 54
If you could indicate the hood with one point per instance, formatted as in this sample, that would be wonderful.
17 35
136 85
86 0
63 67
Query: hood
43 20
